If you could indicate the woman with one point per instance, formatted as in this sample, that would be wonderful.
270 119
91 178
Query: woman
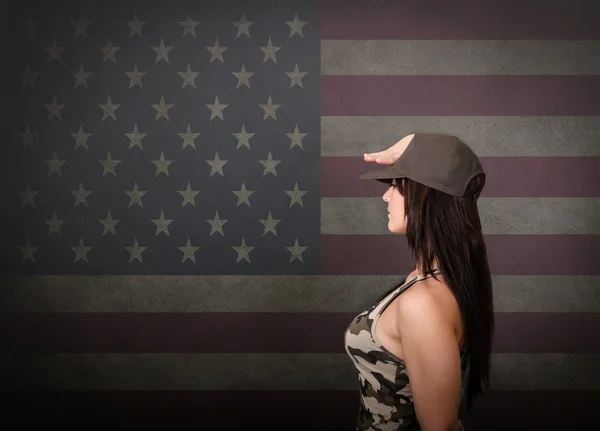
425 347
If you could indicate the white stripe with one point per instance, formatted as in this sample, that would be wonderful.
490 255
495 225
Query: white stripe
488 136
460 57
286 294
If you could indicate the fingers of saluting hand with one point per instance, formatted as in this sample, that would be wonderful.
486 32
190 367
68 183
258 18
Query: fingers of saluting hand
380 158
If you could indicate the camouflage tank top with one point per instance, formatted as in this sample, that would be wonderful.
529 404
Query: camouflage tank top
385 395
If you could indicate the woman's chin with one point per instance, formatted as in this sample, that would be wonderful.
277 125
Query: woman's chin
394 228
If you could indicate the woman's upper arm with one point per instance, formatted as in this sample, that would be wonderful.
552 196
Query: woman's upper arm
432 357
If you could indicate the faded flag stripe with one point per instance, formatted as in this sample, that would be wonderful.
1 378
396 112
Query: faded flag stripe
506 177
258 332
310 371
359 95
292 294
499 216
415 19
459 57
507 254
309 409
496 136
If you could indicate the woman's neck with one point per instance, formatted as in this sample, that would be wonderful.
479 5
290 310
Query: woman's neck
420 270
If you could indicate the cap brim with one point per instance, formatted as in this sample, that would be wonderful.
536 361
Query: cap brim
385 174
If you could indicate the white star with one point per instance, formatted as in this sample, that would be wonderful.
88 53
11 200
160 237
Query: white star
135 251
54 109
216 224
296 138
81 138
109 165
162 109
188 195
296 251
162 51
296 26
216 109
135 195
135 26
162 224
270 51
81 77
188 26
216 52
243 138
243 251
28 138
28 251
216 165
29 77
54 165
109 52
81 251
54 224
135 138
243 195
188 77
188 251
80 195
270 109
109 224
270 165
162 165
80 26
243 77
109 109
296 196
296 77
270 224
28 196
54 52
189 138
135 77
243 26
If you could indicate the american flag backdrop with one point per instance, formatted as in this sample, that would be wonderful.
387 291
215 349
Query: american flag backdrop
185 237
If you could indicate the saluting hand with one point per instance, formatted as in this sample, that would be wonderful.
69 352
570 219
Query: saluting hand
390 155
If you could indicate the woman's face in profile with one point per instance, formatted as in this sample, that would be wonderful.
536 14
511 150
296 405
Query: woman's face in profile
395 208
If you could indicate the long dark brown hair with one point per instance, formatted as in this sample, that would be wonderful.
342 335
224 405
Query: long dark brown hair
448 229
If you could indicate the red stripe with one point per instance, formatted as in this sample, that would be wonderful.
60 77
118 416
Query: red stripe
506 177
261 332
460 95
505 410
475 19
507 254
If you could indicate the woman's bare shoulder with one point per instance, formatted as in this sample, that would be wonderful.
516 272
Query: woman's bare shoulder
430 302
